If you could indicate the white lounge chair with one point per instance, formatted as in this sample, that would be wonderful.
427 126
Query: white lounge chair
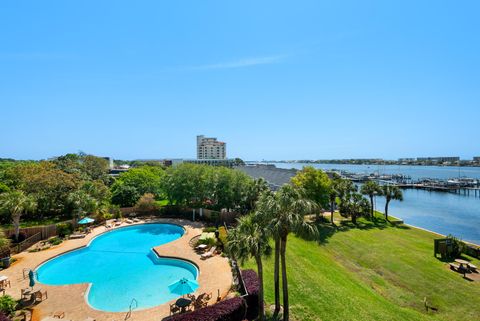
77 236
209 253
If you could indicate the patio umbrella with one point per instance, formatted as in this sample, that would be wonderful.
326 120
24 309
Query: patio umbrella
183 286
32 279
86 220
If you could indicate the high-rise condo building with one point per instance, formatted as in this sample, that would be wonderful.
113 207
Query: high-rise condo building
210 148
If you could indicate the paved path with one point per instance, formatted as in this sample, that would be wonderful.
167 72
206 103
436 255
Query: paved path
215 276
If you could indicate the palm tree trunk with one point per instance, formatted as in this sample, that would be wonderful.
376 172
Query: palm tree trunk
371 205
284 279
332 209
16 225
261 305
276 276
386 209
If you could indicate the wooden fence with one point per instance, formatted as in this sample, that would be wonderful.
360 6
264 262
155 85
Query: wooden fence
127 210
187 213
224 217
45 231
35 234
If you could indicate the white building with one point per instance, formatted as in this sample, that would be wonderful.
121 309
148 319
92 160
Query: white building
210 148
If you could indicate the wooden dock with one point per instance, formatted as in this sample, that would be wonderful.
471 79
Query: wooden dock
475 191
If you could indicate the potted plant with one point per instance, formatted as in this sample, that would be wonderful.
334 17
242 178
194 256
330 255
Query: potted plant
5 257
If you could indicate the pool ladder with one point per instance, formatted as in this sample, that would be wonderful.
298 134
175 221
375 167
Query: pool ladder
133 306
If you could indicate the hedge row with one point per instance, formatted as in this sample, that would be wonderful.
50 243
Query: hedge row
228 310
252 285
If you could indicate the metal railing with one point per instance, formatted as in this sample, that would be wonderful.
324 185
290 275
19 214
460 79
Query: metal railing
131 308
25 244
237 275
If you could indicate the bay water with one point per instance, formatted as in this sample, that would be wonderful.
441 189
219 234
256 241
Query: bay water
444 213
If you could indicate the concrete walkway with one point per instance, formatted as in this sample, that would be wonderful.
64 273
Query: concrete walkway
215 276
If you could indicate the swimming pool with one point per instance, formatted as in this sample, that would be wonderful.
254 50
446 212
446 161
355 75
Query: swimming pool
120 266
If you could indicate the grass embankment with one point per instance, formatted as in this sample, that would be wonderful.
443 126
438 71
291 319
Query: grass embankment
372 271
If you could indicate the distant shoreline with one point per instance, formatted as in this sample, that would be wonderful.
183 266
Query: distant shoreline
370 162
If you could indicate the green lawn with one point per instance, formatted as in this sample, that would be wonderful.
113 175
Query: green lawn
375 271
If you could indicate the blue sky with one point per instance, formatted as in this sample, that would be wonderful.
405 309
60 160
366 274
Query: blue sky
274 79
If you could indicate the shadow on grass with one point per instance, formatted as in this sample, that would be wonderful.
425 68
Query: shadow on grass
326 229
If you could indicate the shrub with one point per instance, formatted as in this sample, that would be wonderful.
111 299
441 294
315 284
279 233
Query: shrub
251 281
3 317
210 229
115 211
107 216
222 236
55 240
252 285
228 310
208 241
458 247
64 229
146 203
7 305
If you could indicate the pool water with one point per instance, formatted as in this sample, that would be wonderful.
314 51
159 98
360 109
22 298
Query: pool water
121 266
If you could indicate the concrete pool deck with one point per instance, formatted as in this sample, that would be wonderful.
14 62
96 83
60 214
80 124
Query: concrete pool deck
214 276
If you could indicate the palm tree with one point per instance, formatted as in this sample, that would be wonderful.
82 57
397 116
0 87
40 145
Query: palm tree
82 203
290 207
268 206
371 189
356 206
250 240
391 192
332 196
16 203
345 188
255 189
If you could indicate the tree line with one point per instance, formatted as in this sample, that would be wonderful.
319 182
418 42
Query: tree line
75 185
67 186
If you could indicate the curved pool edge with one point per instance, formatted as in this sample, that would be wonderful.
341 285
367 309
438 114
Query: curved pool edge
87 291
137 224
152 250
177 258
215 277
105 232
